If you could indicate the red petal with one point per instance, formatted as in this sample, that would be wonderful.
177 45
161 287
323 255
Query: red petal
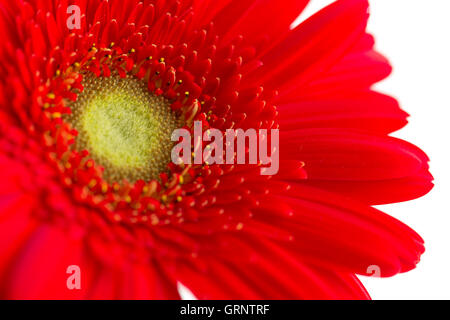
336 232
356 71
257 19
313 47
39 270
346 155
365 110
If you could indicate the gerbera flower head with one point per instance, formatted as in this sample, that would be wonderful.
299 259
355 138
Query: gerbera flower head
86 117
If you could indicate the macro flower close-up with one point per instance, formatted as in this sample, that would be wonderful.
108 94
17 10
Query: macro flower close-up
91 92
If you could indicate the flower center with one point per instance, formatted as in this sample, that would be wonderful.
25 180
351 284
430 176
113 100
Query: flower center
125 127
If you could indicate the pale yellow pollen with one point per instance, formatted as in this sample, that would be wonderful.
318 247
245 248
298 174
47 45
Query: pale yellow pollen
125 128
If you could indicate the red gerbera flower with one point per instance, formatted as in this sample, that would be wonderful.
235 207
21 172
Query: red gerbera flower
86 179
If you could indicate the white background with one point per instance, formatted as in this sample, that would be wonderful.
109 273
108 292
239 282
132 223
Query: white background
415 36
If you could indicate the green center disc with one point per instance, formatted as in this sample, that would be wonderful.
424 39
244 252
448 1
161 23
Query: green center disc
125 128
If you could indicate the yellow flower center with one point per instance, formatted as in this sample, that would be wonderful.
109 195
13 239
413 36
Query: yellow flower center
125 128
